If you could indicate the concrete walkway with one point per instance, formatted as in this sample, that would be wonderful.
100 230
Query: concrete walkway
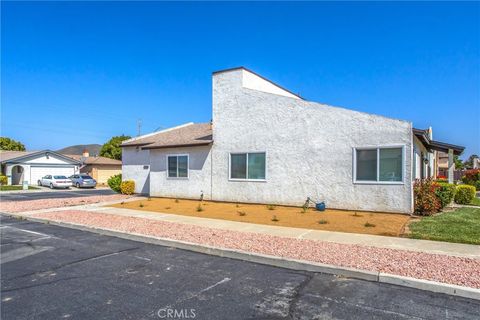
436 247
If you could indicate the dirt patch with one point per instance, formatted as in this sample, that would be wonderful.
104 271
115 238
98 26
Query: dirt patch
388 224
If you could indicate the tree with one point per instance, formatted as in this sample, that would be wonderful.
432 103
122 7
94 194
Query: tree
111 149
469 162
458 163
11 145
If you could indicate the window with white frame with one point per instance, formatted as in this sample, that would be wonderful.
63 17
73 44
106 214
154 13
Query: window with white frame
177 166
384 164
247 166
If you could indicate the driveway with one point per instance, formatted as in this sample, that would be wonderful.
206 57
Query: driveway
51 272
52 194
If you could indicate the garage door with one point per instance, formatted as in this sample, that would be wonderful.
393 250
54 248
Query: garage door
36 173
104 174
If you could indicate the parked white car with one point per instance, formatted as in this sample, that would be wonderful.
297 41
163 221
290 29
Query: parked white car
55 182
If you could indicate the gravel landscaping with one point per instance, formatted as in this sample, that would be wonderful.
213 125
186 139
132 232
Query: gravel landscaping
435 267
19 206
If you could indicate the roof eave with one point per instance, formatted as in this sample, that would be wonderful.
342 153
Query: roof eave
436 145
206 143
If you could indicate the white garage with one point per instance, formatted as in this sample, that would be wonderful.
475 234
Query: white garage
37 172
20 166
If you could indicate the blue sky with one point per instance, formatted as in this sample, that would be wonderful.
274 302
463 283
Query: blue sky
78 73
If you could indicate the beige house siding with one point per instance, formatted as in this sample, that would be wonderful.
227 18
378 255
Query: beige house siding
101 173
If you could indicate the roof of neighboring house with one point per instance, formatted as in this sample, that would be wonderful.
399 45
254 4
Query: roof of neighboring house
8 155
190 134
95 160
422 135
18 156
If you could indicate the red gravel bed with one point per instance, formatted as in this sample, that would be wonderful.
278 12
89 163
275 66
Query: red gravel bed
19 206
442 268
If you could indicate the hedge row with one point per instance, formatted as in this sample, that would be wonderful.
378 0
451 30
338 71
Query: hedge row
432 196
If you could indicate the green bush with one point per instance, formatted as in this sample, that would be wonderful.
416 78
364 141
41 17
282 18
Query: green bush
465 194
3 180
127 187
445 193
426 201
472 177
114 182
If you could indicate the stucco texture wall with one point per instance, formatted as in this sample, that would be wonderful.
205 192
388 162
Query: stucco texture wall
309 149
199 179
136 166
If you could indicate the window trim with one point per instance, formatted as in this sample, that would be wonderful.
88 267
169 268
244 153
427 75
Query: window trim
188 165
355 181
246 179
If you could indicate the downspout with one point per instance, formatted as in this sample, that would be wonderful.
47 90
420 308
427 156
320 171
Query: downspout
412 159
211 173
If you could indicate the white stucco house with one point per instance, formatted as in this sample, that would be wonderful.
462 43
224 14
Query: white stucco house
266 144
30 166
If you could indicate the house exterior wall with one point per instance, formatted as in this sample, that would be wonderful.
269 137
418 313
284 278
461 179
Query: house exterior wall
429 168
309 149
199 173
136 166
253 81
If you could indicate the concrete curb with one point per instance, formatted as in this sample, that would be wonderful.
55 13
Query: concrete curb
293 264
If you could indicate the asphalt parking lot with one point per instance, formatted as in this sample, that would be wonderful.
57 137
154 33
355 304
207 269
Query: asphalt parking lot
51 272
52 194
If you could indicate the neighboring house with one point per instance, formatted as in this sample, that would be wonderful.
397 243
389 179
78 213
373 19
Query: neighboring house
30 166
268 145
442 164
99 168
476 163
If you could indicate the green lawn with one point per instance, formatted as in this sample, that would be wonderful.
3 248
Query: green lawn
461 225
10 188
475 202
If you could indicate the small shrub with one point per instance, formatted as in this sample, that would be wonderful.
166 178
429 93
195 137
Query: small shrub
445 193
167 208
270 207
177 201
369 225
199 208
465 194
356 215
275 219
426 201
305 207
122 203
114 182
242 213
237 205
141 205
471 177
127 187
3 180
441 180
323 221
149 199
